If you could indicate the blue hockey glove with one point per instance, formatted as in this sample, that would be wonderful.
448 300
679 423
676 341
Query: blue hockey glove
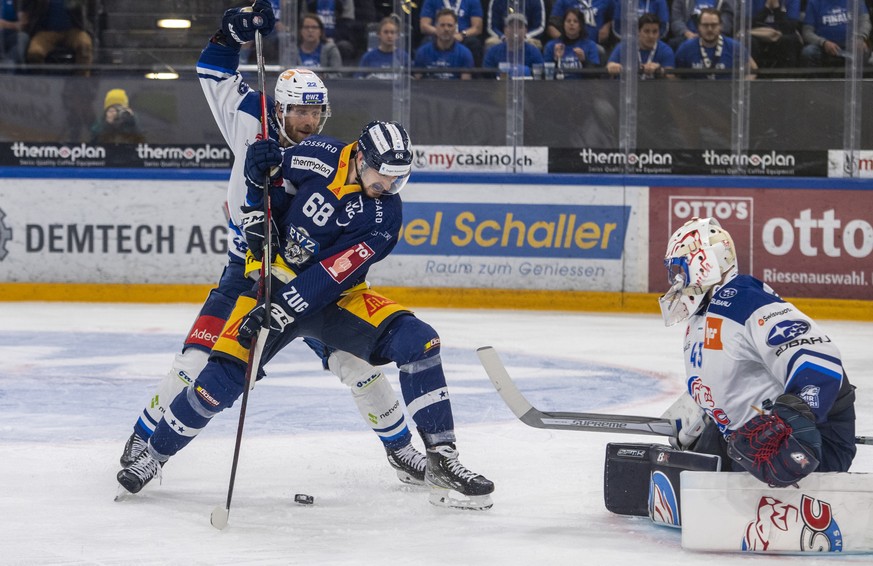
262 156
252 224
252 323
241 24
767 449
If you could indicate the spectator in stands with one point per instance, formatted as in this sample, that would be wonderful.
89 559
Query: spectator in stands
314 51
775 32
534 11
572 50
656 59
597 15
339 25
685 15
445 51
514 32
657 7
383 56
14 40
470 23
825 29
711 49
53 24
118 123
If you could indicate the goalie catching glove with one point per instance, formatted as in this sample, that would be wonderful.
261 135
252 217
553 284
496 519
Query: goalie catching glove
779 448
241 24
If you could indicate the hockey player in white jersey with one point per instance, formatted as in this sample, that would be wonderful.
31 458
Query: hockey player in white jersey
769 379
299 109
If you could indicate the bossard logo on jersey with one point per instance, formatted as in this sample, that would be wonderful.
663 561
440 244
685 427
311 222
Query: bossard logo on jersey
312 164
5 236
786 331
780 526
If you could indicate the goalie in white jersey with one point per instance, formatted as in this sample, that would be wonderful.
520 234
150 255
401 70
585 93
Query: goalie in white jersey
299 109
768 378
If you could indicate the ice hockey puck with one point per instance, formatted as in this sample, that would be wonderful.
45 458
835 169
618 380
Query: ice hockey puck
304 499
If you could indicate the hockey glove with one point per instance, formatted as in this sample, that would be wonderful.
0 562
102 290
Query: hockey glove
241 24
252 323
261 156
765 447
252 225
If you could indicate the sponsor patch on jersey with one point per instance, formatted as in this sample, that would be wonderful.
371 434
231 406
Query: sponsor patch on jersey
727 293
431 344
786 331
312 164
712 340
810 395
313 98
768 316
205 331
340 266
375 303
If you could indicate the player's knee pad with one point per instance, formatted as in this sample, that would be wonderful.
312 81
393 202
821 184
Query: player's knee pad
412 340
207 328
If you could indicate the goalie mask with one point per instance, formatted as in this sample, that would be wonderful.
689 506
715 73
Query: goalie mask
300 87
700 255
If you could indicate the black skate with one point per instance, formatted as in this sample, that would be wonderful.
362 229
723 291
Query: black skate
132 449
453 485
409 464
145 468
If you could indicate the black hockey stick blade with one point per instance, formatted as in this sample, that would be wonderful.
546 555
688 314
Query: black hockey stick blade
587 422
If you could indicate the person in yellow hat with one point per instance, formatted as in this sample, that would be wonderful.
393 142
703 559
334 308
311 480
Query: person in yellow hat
118 123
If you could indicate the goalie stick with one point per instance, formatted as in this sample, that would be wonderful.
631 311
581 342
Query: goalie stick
586 422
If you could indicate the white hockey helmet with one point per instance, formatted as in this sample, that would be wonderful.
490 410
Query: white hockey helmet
700 255
302 87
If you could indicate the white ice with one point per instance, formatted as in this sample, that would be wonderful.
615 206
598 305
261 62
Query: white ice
74 377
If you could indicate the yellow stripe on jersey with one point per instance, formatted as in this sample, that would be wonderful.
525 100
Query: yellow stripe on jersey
369 305
280 268
227 341
338 186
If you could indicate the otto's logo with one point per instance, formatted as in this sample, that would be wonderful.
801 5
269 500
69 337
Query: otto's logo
786 331
783 527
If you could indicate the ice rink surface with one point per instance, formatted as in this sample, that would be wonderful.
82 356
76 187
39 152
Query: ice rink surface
74 378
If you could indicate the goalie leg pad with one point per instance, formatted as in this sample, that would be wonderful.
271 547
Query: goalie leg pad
374 396
643 479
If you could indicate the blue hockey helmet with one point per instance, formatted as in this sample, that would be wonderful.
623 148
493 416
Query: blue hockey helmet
387 150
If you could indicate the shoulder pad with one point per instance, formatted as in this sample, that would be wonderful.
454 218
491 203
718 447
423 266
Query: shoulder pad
740 297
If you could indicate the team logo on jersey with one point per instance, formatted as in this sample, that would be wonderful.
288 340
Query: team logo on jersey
786 331
353 207
780 526
712 334
343 264
300 246
727 293
810 395
312 164
701 394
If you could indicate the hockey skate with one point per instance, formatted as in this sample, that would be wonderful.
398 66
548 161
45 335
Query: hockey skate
453 485
143 470
409 464
132 448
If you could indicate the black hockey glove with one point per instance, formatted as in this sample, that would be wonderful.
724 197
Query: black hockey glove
262 156
767 449
252 224
252 323
241 24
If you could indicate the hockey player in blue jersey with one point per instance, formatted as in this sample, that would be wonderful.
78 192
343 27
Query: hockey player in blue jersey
770 380
299 109
339 214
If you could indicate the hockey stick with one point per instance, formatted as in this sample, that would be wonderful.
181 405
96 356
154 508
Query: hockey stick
220 515
587 422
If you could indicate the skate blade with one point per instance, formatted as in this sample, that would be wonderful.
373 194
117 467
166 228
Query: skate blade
408 479
122 494
454 500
